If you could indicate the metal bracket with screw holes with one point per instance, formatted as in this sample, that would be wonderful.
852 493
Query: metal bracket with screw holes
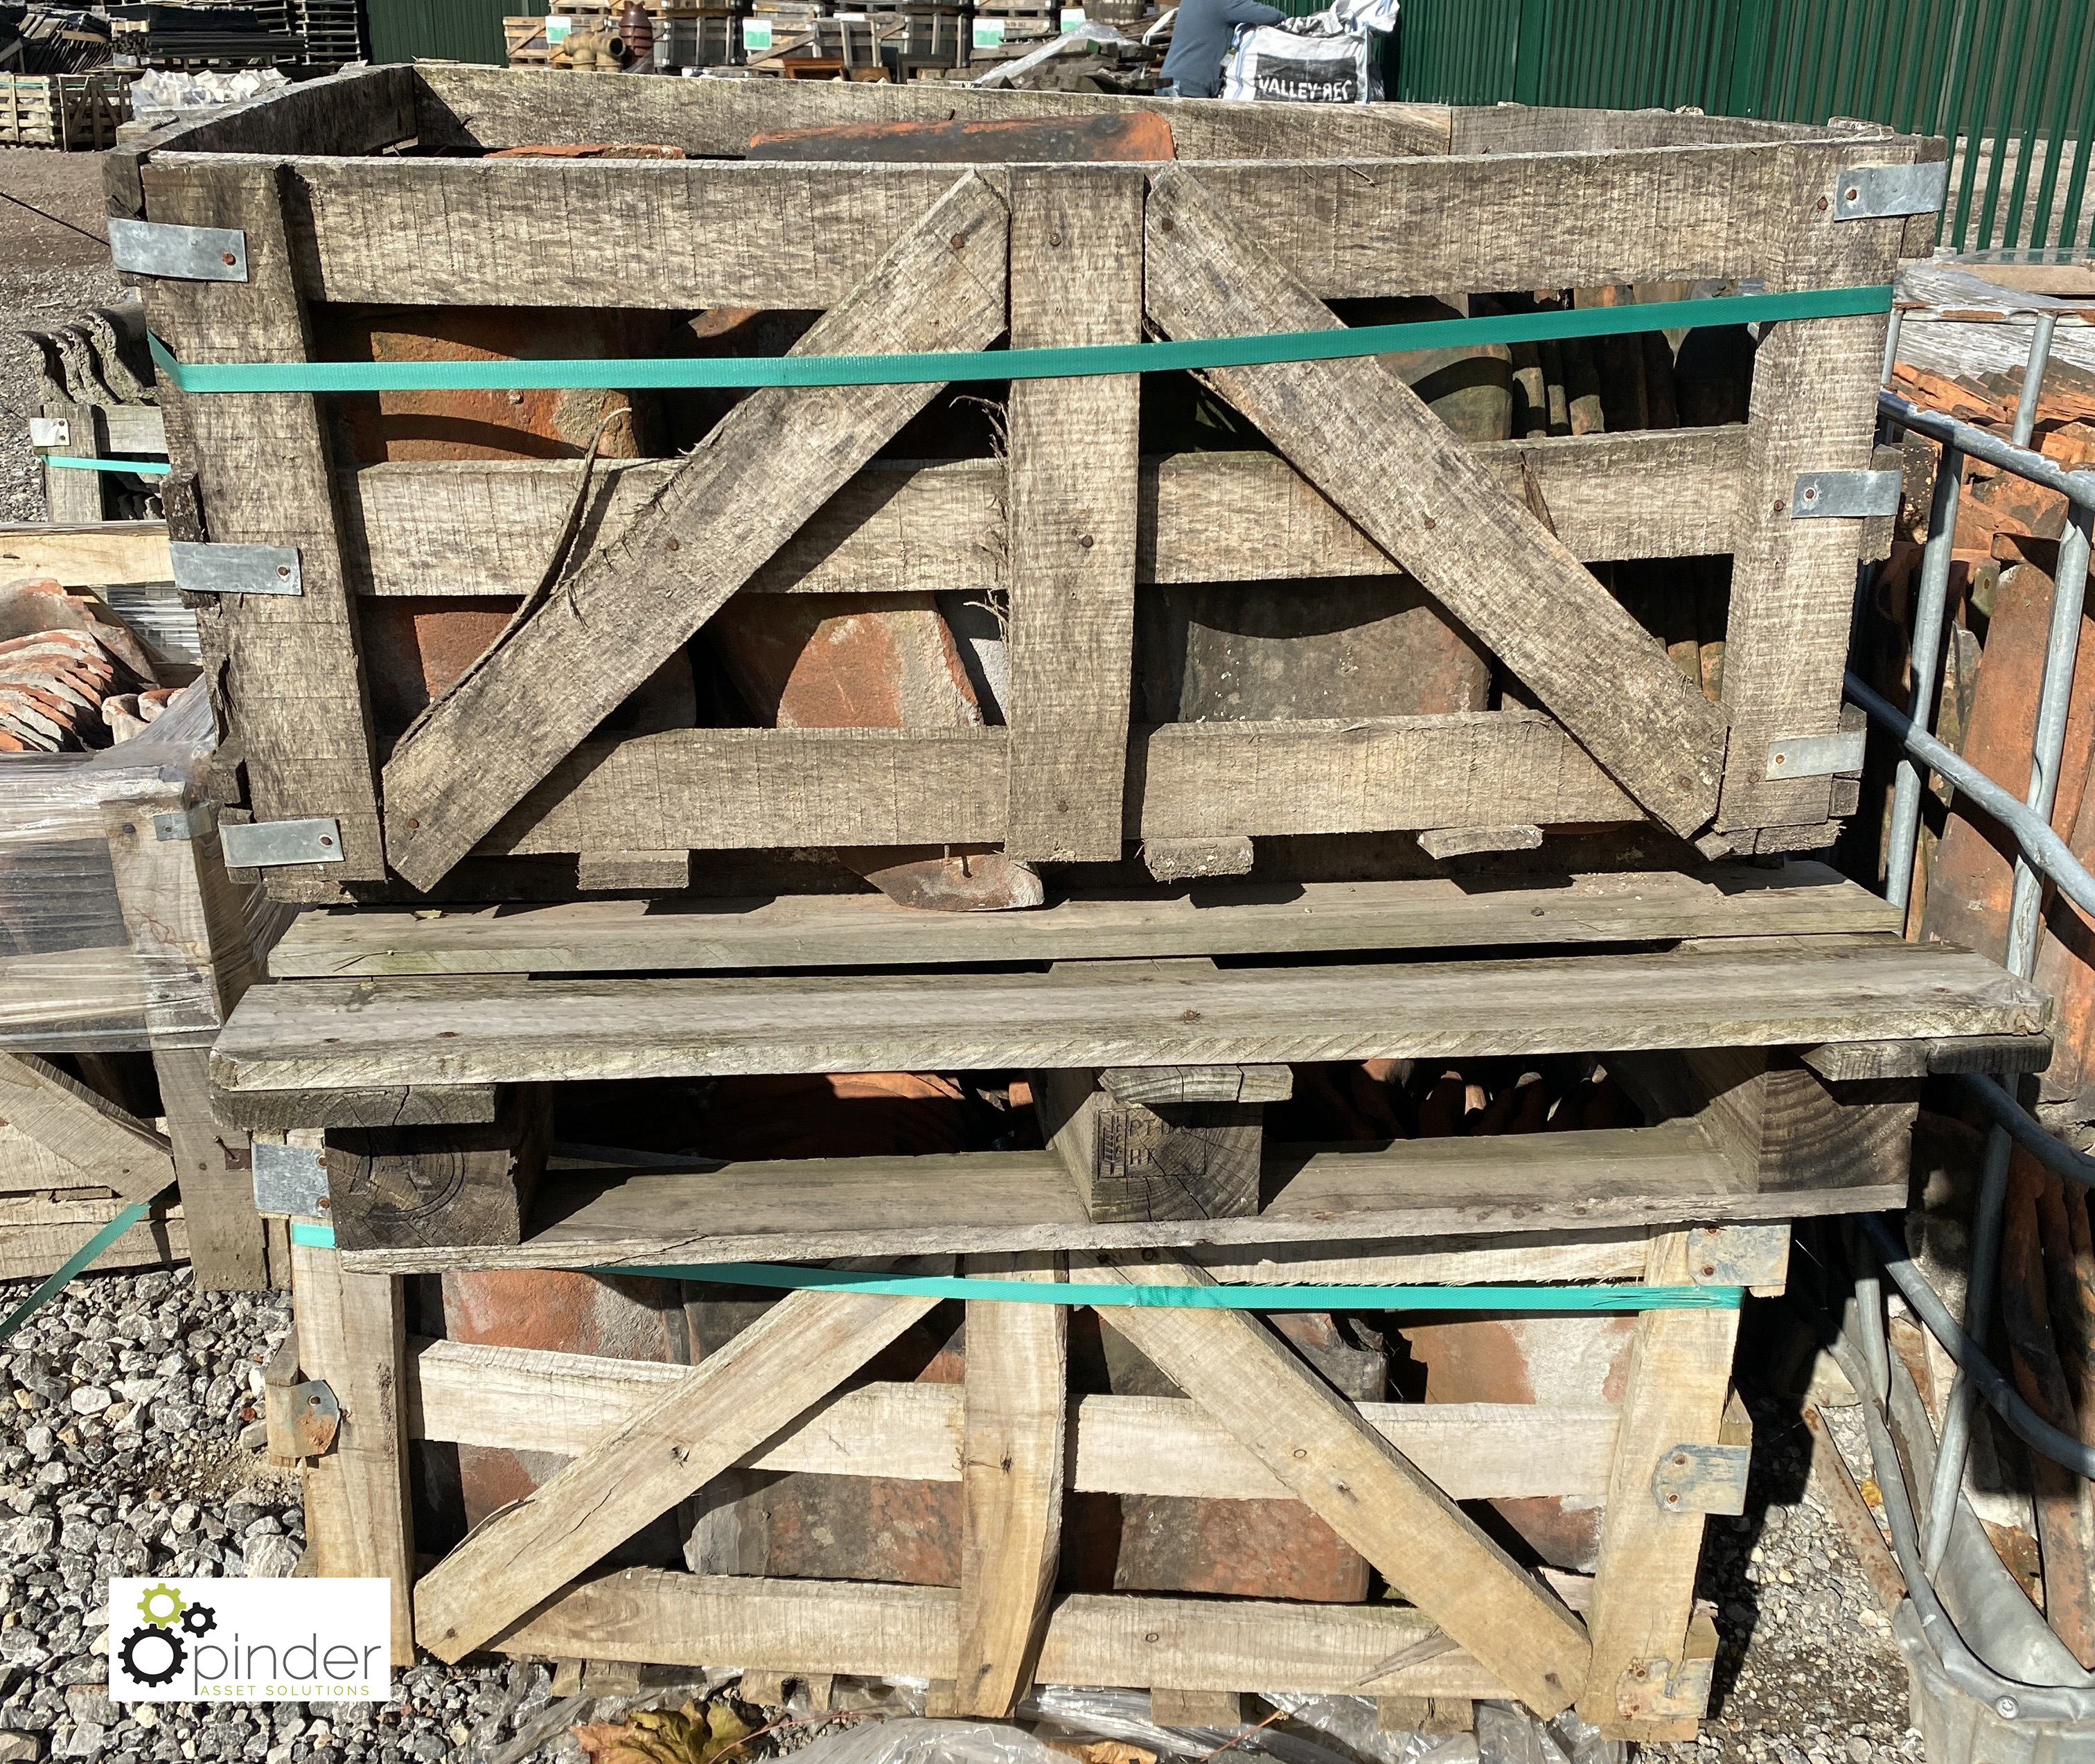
235 570
178 254
1701 1478
1888 192
1744 1255
190 823
302 1420
50 432
290 1181
1845 495
1815 756
263 844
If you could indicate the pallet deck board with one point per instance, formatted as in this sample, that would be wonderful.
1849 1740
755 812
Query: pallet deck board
323 1034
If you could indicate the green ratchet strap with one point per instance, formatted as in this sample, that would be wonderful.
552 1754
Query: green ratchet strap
920 369
143 468
73 1264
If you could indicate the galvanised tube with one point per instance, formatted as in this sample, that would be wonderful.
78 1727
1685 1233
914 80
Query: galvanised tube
2046 850
2076 487
2034 378
1956 1445
2058 1157
1927 619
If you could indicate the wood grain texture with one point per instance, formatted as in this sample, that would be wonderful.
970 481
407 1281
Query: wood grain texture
102 1143
38 1232
521 1399
229 1246
871 931
1076 279
804 1626
1135 1161
980 1202
101 554
1375 450
353 1336
775 459
1014 1402
797 1352
452 1185
1360 1485
326 1035
1642 1681
285 666
475 527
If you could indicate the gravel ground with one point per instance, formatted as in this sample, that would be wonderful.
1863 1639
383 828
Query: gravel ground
122 1404
46 273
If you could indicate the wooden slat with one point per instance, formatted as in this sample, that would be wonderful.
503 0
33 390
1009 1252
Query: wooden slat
1076 279
775 459
705 232
229 1244
284 666
871 931
486 527
978 1202
1013 1401
518 1399
816 1625
1359 1484
102 554
477 106
40 1232
1370 445
105 1143
323 1034
796 1353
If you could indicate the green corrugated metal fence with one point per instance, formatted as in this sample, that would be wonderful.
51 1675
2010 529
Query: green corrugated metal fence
2011 83
444 30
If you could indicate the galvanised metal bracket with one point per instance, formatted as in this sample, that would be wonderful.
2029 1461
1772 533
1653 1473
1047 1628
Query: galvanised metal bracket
1702 1478
178 254
1845 495
263 844
290 1181
1886 192
302 1420
50 432
235 570
1815 756
1738 1255
190 823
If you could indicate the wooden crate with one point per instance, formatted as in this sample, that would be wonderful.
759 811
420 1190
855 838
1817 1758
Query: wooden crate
51 1203
72 111
123 932
1287 208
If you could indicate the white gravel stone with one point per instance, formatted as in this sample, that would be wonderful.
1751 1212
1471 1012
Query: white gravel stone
90 1400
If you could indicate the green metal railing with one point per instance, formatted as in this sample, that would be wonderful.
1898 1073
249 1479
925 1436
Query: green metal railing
2011 83
444 30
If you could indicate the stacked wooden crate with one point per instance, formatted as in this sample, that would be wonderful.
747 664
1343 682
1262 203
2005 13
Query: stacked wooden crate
1569 856
72 111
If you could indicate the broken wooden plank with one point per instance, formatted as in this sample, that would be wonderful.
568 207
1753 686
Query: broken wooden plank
775 459
1359 1484
796 1353
1373 447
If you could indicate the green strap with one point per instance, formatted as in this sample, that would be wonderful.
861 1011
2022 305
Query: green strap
312 1236
73 1264
920 369
143 468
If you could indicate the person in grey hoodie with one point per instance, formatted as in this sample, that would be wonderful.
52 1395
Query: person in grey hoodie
1200 38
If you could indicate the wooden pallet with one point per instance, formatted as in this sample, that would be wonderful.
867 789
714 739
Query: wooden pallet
67 1168
71 112
1628 1645
505 768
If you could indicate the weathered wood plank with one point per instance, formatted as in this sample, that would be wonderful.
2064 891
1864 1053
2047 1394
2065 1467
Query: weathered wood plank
39 1231
229 1246
775 459
1135 1160
796 1353
871 931
327 1034
102 554
521 1399
285 665
813 1625
390 1188
1076 279
981 1202
1359 1484
1014 1404
473 527
104 1144
1370 445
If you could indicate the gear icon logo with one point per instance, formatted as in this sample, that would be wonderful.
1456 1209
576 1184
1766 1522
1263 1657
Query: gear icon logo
199 1620
152 1597
155 1640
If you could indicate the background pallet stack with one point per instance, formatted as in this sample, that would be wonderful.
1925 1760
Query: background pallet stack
1279 831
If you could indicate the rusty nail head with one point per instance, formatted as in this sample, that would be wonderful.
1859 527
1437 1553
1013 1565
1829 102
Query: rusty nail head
1302 1451
228 257
1085 542
957 241
1054 238
1823 205
326 838
676 545
1151 1636
1167 225
283 573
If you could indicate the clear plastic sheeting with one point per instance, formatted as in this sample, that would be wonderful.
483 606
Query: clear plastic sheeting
119 927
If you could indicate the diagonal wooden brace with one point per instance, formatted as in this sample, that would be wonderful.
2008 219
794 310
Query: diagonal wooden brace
1355 1481
64 1117
772 461
793 1355
1382 459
